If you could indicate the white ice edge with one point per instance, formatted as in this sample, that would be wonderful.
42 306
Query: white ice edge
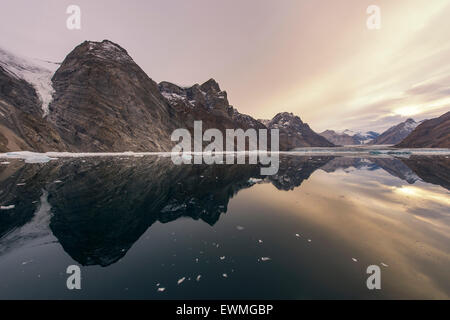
35 157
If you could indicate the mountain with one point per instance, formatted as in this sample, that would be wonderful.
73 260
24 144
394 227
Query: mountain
340 139
25 93
294 133
434 133
206 102
366 137
104 101
348 137
99 100
396 133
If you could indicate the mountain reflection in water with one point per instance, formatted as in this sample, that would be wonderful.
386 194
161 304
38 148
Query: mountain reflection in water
313 218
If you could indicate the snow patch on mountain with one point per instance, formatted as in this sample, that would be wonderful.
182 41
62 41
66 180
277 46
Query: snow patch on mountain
36 72
108 50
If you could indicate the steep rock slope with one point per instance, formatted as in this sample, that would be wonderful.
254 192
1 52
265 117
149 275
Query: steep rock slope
396 133
294 133
104 101
434 133
25 93
208 103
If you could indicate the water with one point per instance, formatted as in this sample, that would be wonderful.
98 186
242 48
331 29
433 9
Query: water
138 224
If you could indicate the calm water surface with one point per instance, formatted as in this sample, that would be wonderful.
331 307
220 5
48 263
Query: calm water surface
138 224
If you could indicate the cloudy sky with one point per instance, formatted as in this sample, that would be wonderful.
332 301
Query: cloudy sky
316 59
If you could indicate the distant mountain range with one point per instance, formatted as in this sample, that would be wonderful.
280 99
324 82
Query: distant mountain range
98 99
434 133
348 137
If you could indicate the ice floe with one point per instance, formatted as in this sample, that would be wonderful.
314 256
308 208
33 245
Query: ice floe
29 157
373 151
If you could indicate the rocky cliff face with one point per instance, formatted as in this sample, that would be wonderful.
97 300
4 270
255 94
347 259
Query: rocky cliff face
23 105
104 101
434 133
294 133
208 103
396 133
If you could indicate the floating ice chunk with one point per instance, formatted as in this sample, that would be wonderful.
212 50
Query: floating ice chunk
309 240
355 260
384 265
21 184
161 289
58 181
222 258
181 280
225 275
158 284
29 157
7 207
265 259
198 277
297 235
260 241
27 262
240 228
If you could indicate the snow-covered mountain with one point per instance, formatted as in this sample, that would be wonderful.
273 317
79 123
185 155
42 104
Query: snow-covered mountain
36 72
396 134
26 93
433 133
349 137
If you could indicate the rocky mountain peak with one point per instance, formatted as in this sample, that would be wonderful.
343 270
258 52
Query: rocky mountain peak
207 96
285 120
105 50
294 133
433 133
397 133
210 86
